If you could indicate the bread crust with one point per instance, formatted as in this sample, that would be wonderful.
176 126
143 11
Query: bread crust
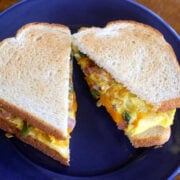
168 105
26 26
10 128
85 44
155 136
44 24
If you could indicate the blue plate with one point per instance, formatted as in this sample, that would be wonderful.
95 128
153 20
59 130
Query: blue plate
98 149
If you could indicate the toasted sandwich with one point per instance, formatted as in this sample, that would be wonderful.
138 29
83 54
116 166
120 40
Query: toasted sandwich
133 72
37 99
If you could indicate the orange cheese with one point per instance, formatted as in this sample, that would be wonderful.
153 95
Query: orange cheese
117 116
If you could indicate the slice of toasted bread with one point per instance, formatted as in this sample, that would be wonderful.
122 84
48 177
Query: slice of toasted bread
154 136
11 128
34 76
137 56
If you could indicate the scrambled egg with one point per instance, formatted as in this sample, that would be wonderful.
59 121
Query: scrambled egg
130 113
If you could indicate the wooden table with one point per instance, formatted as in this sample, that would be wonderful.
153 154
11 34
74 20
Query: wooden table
169 10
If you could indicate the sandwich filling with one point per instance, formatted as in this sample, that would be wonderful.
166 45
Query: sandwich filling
60 146
130 113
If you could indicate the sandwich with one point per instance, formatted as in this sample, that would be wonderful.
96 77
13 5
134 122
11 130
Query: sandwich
133 72
37 99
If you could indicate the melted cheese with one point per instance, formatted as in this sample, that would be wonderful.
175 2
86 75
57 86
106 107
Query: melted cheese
117 100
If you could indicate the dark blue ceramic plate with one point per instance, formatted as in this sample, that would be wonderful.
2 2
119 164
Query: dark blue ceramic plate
98 149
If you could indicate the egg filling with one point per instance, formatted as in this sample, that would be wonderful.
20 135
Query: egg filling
130 113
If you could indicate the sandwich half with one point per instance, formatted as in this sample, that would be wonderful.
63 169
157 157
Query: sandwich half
133 72
37 99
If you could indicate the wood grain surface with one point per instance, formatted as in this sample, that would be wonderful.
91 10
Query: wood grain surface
169 10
